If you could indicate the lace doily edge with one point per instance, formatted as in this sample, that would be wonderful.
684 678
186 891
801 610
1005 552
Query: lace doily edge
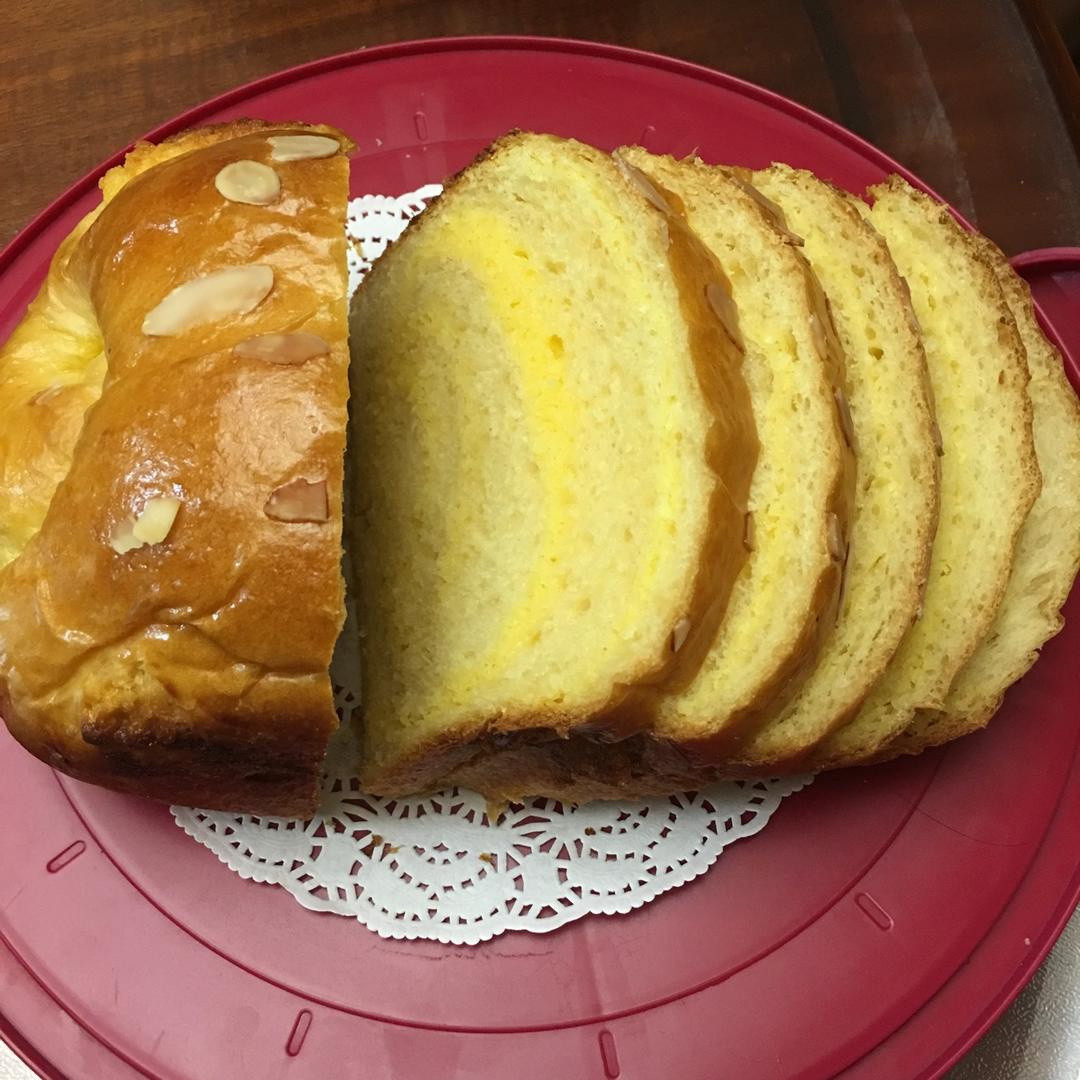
620 906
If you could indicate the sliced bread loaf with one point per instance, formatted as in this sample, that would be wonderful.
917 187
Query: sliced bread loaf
989 474
895 511
785 599
1047 552
551 453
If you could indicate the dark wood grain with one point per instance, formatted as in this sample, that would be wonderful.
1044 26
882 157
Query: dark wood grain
976 96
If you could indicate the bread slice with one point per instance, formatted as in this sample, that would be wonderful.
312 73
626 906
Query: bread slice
551 452
785 600
989 473
1047 553
895 511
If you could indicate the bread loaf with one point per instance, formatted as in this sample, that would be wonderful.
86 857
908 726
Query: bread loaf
172 591
551 452
629 513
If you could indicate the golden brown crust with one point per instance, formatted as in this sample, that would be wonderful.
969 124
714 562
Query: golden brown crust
536 759
194 670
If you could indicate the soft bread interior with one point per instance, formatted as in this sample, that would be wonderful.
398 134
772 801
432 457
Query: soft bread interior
989 474
895 510
784 602
532 491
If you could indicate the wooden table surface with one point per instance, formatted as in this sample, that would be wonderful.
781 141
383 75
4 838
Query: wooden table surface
978 97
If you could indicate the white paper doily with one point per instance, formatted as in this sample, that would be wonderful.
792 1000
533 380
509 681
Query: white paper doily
434 867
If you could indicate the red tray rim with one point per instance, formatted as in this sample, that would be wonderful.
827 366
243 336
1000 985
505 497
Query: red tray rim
1022 975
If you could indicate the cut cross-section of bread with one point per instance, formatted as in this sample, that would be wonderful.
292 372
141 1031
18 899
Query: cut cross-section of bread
895 512
551 453
989 473
785 600
1047 552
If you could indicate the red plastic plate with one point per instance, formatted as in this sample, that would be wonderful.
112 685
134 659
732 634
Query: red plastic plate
877 926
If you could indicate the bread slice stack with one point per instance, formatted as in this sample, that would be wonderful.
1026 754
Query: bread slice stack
896 498
665 472
786 599
989 474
